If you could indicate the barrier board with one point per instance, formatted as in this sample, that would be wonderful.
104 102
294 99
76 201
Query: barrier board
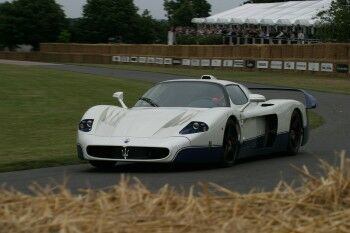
327 67
314 66
227 63
216 62
262 64
277 65
289 65
238 63
301 66
186 62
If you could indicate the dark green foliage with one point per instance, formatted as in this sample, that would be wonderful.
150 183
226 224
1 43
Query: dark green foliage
268 1
30 22
335 22
116 21
181 12
64 37
104 19
151 30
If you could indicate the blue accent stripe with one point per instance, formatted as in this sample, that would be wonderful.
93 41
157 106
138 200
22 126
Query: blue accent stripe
199 155
256 146
247 148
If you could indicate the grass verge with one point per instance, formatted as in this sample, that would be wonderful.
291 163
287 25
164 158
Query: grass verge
41 108
315 120
319 205
324 83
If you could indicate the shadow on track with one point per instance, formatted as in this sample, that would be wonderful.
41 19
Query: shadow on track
124 167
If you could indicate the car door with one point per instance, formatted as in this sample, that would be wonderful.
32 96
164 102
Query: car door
252 127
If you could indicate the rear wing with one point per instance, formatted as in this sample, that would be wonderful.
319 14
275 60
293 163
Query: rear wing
310 100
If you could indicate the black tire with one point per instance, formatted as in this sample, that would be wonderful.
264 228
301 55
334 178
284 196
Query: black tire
230 143
102 164
296 132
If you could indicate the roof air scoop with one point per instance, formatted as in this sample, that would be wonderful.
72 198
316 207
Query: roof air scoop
208 77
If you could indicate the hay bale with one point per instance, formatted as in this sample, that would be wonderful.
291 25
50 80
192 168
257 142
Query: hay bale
319 205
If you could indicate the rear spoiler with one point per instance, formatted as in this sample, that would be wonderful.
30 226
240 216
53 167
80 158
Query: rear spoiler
310 100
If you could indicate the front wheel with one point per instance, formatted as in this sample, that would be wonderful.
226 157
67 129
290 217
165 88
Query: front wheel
102 164
230 143
296 132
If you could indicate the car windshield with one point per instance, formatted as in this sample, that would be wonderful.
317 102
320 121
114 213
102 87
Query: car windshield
191 94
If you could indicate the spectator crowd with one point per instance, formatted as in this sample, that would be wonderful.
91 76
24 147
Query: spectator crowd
293 33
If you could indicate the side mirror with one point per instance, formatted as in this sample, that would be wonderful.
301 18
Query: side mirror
120 97
256 98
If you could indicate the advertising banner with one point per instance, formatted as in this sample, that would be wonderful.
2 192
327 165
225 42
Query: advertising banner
159 61
134 59
289 65
116 59
300 66
205 62
250 64
168 61
238 63
151 60
186 62
125 59
227 63
277 65
195 62
216 62
327 67
177 61
142 59
342 68
314 66
262 64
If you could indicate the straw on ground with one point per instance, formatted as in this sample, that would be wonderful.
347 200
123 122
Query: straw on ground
321 204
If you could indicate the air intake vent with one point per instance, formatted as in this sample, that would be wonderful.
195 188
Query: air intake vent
119 152
208 77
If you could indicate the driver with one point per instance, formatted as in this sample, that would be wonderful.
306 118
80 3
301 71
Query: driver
218 100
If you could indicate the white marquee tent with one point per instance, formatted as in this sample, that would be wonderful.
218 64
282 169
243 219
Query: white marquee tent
279 13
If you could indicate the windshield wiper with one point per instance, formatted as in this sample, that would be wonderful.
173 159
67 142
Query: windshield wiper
149 101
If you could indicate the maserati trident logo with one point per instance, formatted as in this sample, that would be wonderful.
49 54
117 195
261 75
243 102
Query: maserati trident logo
125 153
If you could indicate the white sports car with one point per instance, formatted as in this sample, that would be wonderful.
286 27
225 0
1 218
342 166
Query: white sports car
190 120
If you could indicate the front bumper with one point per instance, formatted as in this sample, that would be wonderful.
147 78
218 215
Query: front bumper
173 144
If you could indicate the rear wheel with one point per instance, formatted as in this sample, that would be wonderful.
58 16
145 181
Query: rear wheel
102 164
296 132
230 143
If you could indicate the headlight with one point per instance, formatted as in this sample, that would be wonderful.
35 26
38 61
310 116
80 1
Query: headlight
86 125
195 127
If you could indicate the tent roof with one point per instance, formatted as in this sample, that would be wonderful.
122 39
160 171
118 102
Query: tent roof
278 13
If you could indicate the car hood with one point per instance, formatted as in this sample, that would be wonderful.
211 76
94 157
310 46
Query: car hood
143 122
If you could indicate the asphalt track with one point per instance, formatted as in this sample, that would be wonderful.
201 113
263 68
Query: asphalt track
259 173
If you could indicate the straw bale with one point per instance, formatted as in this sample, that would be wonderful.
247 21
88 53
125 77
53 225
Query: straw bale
321 204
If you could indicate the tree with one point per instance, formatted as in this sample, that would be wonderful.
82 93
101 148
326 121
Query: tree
104 19
335 22
181 12
150 30
268 1
64 37
30 22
